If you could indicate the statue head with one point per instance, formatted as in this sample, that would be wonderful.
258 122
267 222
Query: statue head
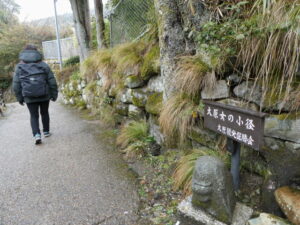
213 189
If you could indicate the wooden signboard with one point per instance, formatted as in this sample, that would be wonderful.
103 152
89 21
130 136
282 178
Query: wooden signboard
241 125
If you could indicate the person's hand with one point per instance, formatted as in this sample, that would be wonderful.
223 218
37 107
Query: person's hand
53 99
21 102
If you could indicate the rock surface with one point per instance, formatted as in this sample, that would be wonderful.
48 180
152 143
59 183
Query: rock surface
242 214
286 127
154 130
188 215
221 90
283 161
122 109
125 96
212 188
139 97
268 219
135 112
155 84
134 81
289 201
248 91
154 103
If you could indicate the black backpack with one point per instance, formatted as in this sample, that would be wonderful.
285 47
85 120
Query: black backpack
34 80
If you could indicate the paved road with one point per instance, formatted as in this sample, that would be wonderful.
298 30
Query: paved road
74 177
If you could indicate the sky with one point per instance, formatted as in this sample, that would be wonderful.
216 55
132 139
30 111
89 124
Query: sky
37 9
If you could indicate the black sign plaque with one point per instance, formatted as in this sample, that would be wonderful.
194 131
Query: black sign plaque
241 125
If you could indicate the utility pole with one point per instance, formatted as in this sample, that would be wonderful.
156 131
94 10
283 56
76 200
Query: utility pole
58 37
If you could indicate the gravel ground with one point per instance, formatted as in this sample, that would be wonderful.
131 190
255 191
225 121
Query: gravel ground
74 177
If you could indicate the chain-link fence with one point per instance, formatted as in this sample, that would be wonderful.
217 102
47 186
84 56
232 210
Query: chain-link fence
130 19
68 49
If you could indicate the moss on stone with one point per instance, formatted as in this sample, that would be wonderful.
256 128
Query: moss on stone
154 103
288 116
133 81
204 137
139 97
121 109
150 65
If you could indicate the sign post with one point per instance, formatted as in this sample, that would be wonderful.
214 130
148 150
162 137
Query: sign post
241 126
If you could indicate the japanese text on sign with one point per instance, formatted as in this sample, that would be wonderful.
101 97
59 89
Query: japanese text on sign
244 126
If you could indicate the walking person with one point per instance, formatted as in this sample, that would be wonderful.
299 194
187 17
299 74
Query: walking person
35 85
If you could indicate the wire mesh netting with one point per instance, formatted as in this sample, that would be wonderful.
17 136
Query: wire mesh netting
130 19
68 48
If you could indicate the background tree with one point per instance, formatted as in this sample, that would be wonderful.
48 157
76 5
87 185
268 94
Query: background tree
8 9
81 16
171 41
100 25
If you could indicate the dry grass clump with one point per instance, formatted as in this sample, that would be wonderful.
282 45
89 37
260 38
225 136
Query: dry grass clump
64 75
273 55
192 75
100 61
185 168
129 56
177 117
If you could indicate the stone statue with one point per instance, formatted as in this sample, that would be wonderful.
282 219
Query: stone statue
213 189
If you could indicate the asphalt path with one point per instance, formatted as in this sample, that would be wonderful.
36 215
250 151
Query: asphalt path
75 177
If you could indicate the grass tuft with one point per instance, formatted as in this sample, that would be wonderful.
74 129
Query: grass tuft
132 132
129 56
177 117
133 139
100 61
192 75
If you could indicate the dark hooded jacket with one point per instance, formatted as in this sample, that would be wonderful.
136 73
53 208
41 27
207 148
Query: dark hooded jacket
30 60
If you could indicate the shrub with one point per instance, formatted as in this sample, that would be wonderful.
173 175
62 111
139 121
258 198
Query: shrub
72 61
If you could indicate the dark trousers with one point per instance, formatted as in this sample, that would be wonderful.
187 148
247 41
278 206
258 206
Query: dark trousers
34 109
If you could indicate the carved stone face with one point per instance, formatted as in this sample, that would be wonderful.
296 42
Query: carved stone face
202 189
212 188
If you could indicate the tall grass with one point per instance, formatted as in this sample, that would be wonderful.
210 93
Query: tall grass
270 55
192 75
177 118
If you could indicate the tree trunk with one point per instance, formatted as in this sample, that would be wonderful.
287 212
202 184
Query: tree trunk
100 25
171 41
81 16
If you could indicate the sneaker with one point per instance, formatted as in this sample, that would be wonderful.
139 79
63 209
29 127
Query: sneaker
37 139
47 134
